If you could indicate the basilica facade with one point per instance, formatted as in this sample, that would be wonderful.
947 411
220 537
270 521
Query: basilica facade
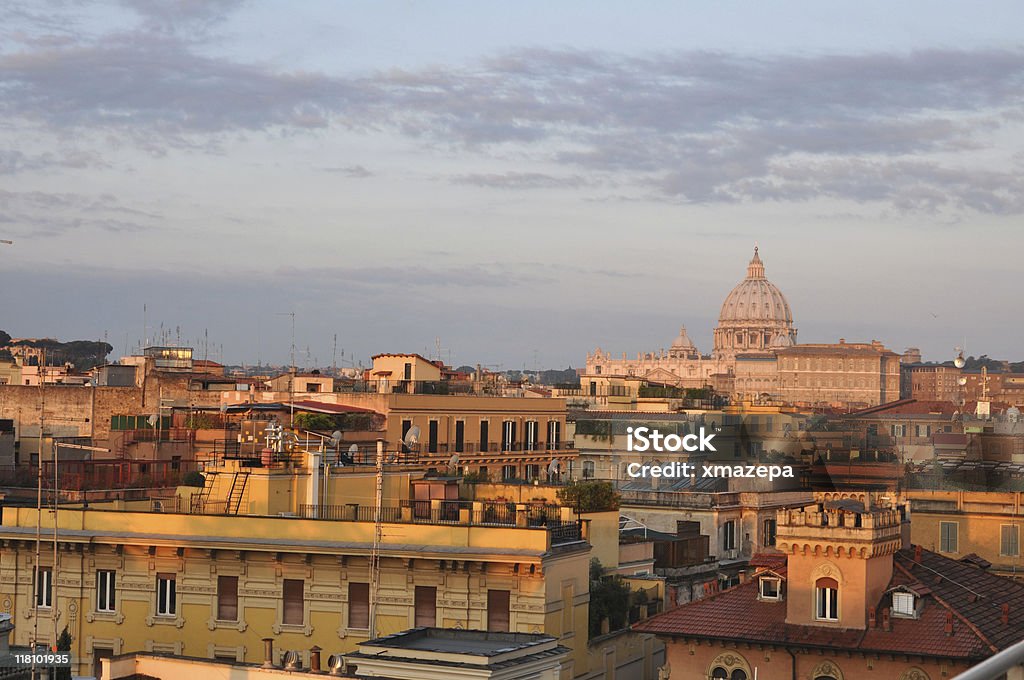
754 342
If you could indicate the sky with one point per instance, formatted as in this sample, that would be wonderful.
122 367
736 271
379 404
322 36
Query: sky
513 183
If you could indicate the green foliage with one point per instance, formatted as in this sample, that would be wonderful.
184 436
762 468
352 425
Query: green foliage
590 496
314 421
609 598
193 479
5 338
83 354
63 645
476 478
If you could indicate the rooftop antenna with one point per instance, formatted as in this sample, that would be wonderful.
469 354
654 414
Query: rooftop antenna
291 378
334 356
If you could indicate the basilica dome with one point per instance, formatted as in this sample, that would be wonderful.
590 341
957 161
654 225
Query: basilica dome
755 316
756 298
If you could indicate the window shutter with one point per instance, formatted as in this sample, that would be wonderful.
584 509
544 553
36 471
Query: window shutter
293 604
426 606
359 605
227 598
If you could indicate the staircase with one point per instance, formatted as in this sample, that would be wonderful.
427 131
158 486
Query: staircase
236 493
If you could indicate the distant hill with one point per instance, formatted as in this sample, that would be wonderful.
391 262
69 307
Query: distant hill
82 354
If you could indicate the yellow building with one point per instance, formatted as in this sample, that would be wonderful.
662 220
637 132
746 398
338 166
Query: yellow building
960 523
214 586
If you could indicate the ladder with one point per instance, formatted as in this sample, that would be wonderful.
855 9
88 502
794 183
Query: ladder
235 494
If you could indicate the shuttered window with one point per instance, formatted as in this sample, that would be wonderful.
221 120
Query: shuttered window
1009 540
294 608
358 605
227 598
948 537
497 611
426 606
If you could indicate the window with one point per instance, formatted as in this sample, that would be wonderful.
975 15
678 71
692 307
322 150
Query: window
407 372
770 529
948 536
554 435
826 592
166 595
227 598
588 469
312 387
460 436
485 443
497 611
729 535
903 604
44 588
1009 540
105 591
432 436
508 472
508 435
292 613
770 587
359 605
426 606
406 426
531 435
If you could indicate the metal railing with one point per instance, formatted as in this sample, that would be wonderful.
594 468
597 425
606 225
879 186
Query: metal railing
995 666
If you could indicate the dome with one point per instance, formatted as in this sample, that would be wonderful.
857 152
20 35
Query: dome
682 341
755 299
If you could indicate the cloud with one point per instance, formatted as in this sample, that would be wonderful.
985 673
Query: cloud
695 127
39 214
353 171
520 180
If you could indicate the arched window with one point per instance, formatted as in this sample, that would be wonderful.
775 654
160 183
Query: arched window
721 674
826 594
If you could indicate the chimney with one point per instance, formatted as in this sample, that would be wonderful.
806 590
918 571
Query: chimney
314 659
886 623
268 652
917 553
872 620
949 623
1006 613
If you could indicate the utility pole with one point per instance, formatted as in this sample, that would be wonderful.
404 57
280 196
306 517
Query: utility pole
39 522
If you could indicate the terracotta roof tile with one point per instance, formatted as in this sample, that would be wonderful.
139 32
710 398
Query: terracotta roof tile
975 597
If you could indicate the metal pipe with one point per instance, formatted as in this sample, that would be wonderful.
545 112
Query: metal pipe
994 666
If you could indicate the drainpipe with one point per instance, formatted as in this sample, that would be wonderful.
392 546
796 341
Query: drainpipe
793 665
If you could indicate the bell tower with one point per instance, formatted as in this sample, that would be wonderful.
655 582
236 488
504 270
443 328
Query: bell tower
839 559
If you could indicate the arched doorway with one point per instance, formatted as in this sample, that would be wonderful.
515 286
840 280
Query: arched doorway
826 670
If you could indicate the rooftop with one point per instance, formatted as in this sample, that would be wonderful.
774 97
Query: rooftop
987 612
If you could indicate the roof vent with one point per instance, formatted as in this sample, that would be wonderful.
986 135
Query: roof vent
1006 613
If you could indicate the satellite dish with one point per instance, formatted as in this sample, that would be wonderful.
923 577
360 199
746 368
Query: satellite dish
959 362
962 381
152 420
453 462
223 408
336 664
553 467
412 437
353 450
336 438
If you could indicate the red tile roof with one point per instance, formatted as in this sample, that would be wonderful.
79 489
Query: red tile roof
975 597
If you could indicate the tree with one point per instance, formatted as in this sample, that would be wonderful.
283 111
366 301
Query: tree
193 479
63 645
590 496
609 599
314 421
5 339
